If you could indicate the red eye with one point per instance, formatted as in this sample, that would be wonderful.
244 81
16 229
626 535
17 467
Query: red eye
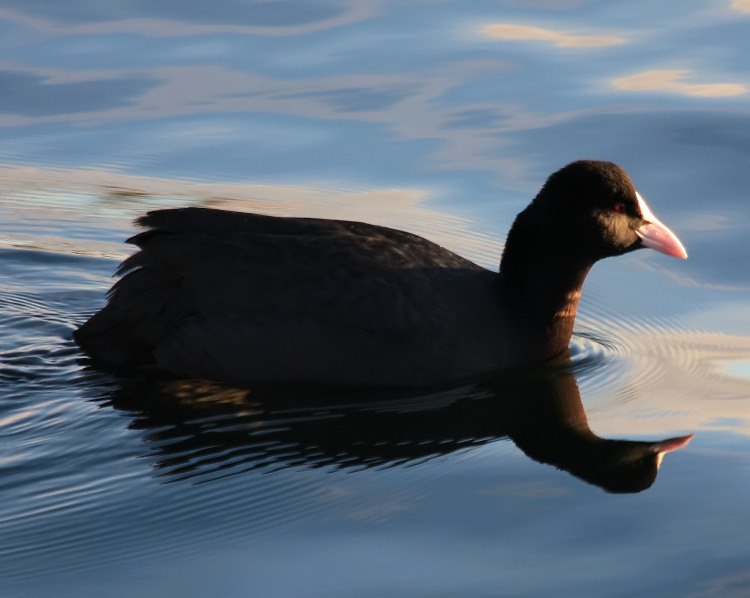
620 207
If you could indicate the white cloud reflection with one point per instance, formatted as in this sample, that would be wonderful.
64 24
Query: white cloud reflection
672 81
405 105
509 31
701 379
166 27
93 194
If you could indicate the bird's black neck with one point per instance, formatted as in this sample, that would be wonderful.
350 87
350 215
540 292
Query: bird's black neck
543 288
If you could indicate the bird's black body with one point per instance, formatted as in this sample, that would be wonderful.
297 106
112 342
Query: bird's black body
244 297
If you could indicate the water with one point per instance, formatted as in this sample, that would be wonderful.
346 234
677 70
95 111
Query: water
439 118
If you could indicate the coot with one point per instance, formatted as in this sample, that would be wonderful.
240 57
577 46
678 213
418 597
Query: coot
243 297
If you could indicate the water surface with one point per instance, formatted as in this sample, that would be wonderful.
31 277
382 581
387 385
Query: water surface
442 118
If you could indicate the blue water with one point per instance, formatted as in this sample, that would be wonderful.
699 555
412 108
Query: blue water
442 118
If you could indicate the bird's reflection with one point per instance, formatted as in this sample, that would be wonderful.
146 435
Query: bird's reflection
204 430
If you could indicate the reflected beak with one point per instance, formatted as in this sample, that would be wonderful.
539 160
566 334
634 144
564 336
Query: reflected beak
655 235
669 445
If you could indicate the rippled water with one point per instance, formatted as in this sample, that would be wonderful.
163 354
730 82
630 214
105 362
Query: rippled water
439 118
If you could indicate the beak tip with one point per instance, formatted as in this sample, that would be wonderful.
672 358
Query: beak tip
672 444
657 236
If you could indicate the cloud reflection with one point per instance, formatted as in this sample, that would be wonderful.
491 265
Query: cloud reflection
251 18
671 81
509 31
92 194
700 379
741 5
31 95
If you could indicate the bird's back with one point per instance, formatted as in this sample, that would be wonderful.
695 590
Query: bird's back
237 296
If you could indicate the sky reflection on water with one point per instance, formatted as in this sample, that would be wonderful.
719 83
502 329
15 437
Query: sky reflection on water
442 118
269 90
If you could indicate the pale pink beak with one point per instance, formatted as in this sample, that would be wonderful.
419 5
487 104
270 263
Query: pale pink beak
669 445
655 235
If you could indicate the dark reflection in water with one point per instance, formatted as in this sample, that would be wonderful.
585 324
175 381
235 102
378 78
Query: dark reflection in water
204 430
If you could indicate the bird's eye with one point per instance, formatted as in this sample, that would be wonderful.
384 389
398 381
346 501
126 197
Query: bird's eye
620 207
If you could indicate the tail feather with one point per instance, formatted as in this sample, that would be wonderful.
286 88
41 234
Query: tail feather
110 342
